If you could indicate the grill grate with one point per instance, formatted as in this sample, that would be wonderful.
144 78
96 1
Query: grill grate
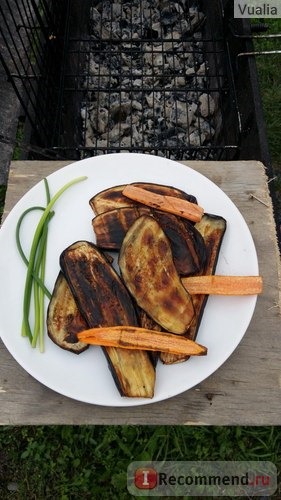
32 38
112 76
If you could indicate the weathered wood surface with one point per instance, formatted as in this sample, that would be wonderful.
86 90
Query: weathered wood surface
246 390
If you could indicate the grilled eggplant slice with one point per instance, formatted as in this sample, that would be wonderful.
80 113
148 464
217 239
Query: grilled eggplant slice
64 319
113 198
103 300
148 270
111 227
212 228
187 244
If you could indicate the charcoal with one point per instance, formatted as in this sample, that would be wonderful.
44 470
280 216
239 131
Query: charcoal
151 52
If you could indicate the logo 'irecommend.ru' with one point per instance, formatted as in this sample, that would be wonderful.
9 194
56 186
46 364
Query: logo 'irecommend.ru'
202 478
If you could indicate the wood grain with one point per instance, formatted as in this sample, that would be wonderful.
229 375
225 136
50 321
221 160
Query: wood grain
246 390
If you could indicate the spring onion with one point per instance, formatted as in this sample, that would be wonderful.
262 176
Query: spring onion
35 274
20 249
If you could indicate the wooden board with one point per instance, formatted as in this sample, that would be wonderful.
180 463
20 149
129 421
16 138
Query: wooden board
246 390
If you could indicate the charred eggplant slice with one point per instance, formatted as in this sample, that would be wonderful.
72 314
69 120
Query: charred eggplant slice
187 244
103 300
64 319
111 227
113 198
212 228
148 270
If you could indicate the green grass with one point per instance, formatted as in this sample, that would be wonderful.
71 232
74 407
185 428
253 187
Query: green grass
71 462
268 67
19 139
270 86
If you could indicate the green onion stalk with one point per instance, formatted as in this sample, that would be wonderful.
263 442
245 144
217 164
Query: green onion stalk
35 275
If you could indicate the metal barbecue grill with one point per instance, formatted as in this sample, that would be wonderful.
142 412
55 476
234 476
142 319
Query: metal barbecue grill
150 85
111 76
166 78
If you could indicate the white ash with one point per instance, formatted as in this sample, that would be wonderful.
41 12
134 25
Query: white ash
207 105
146 83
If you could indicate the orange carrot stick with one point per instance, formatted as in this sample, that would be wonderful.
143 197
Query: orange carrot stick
223 285
131 337
170 204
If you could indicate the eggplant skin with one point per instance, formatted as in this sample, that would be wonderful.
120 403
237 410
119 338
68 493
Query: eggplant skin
99 292
103 300
148 270
212 228
187 244
64 319
110 227
111 198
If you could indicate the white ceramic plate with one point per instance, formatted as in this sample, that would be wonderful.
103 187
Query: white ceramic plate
86 377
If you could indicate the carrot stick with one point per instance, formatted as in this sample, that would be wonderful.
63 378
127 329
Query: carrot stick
223 285
170 204
130 337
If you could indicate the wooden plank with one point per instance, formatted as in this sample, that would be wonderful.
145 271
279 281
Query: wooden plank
244 391
24 175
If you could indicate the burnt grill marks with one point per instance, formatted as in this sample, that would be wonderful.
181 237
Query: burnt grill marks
148 240
187 244
64 319
147 268
112 198
98 290
163 248
104 301
212 229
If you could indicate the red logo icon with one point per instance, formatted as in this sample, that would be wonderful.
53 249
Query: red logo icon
145 478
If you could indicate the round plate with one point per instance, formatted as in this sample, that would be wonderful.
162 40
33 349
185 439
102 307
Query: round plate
86 377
